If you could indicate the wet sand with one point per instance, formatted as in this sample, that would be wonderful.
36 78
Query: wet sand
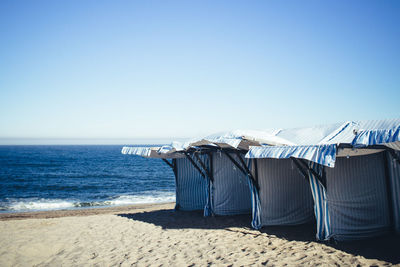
156 235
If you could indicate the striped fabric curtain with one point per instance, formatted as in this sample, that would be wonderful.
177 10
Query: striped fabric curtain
230 192
255 200
191 186
207 208
394 173
255 204
320 202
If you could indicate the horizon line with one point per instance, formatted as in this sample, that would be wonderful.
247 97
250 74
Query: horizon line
87 141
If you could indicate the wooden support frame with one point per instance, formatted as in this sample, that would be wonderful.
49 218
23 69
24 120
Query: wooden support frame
242 168
169 163
195 165
394 155
302 171
319 177
202 164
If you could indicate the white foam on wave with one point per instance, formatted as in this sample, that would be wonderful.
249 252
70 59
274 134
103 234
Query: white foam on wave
57 204
158 197
41 204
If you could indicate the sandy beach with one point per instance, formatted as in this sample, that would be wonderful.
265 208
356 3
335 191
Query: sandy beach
156 235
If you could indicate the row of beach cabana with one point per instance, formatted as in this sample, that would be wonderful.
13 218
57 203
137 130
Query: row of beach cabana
346 176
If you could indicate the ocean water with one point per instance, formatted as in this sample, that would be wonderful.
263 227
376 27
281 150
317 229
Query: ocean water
34 178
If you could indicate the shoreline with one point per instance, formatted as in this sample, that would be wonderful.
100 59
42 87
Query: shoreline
48 214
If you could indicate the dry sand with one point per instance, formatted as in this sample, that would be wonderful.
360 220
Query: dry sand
155 235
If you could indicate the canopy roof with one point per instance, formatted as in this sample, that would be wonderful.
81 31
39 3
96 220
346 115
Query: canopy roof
241 139
238 139
320 144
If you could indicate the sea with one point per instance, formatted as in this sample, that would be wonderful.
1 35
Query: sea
38 178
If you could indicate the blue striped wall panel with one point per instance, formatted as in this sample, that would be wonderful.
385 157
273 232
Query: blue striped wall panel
357 197
230 192
285 195
190 186
394 170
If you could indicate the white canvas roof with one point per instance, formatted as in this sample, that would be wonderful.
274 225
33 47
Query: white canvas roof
238 139
319 144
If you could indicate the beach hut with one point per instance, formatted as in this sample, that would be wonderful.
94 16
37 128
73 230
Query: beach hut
353 173
228 192
211 172
205 179
230 174
283 194
191 183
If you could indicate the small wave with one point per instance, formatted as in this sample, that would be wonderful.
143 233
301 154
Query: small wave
16 205
158 197
143 199
41 204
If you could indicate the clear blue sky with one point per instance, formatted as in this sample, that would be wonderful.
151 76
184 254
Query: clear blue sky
161 69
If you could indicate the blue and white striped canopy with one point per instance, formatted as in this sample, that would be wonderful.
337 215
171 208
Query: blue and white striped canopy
322 154
319 144
152 152
139 151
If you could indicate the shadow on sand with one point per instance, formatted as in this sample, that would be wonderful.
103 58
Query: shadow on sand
384 248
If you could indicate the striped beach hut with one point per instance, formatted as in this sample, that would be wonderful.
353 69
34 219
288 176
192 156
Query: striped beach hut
229 191
282 195
206 179
211 173
353 173
191 183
